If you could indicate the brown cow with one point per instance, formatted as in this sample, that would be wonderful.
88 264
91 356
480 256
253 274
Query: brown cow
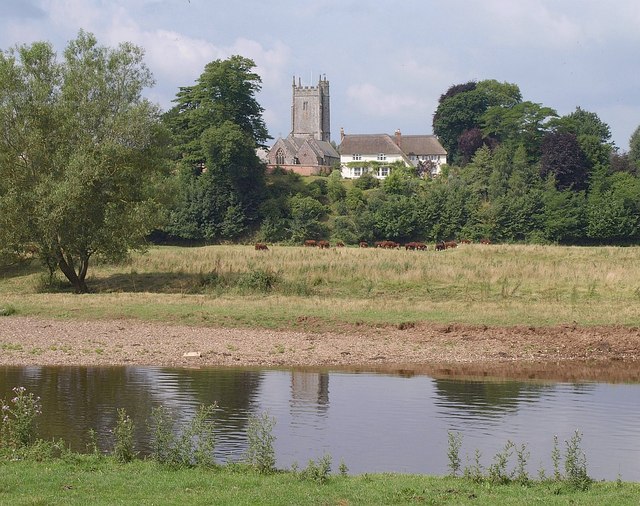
339 244
465 241
364 244
450 244
440 246
485 241
323 244
411 245
310 243
260 246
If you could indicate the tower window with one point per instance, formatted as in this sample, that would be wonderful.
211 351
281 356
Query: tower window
280 157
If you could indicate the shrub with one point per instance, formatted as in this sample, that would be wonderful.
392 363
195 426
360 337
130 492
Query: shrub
192 446
259 280
260 438
18 429
123 449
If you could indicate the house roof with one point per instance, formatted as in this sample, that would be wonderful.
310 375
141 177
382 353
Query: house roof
385 143
321 148
421 145
368 144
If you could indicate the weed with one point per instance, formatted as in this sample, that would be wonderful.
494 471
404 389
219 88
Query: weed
7 310
11 347
317 471
575 463
258 280
498 470
92 444
260 452
342 468
522 455
193 446
453 451
475 471
555 458
19 416
123 449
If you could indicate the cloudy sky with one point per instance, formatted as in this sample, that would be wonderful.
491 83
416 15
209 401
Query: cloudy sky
387 62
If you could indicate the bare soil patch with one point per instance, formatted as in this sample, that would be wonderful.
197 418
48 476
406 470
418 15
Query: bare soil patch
565 352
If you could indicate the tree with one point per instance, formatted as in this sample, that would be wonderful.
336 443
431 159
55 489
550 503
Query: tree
563 157
217 125
81 153
225 91
634 148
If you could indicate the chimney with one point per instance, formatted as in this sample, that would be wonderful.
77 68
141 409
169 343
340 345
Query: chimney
398 138
341 134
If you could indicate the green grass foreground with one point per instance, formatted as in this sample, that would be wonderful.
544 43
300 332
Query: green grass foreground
86 479
287 286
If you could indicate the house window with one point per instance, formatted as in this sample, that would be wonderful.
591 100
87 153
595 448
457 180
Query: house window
357 171
383 171
280 157
382 157
357 157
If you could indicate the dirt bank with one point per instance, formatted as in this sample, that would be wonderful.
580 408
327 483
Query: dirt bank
560 352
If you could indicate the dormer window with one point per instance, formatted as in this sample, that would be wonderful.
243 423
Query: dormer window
357 157
382 157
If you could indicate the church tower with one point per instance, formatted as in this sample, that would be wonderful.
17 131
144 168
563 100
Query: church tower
310 110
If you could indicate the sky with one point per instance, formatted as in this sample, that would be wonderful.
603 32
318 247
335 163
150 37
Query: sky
387 62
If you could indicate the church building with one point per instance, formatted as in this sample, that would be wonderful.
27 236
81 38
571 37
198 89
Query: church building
307 150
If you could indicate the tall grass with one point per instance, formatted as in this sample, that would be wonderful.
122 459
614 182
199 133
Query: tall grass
474 283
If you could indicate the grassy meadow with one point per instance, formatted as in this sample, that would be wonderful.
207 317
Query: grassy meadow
89 480
296 287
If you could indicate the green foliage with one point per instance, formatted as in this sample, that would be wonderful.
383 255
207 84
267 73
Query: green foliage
258 280
19 420
306 216
82 153
123 449
7 310
190 445
260 439
634 148
317 471
217 125
575 463
366 181
453 452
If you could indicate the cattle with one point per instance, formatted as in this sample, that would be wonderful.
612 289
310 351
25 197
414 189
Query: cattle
364 244
260 246
440 246
415 246
310 243
387 244
485 241
339 244
465 241
450 244
323 244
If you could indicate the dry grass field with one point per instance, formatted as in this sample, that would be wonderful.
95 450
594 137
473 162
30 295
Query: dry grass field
293 287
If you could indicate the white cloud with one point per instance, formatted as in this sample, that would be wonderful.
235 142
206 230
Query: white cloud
372 101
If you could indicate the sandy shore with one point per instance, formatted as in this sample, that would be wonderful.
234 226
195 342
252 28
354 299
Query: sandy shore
560 352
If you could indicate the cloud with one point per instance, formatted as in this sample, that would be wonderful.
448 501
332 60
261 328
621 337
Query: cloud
372 101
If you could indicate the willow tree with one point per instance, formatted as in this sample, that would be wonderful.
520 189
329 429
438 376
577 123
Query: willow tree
80 153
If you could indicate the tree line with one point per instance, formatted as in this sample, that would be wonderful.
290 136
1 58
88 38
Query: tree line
90 169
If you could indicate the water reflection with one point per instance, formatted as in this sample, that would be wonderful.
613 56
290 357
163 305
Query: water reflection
374 422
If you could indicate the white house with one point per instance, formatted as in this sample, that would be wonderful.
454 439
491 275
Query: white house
378 151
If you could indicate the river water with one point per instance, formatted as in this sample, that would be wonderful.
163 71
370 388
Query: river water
373 422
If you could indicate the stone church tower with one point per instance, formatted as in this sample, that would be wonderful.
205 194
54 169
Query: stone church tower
310 111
